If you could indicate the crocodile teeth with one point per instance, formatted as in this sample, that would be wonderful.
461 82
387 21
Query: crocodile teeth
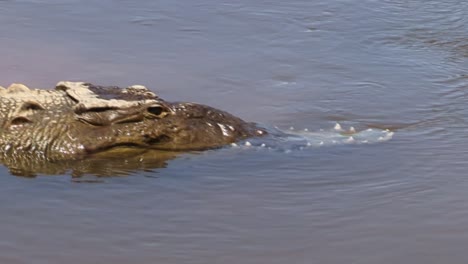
352 130
248 144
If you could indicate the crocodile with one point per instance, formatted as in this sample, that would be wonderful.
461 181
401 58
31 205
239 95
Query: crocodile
108 130
78 119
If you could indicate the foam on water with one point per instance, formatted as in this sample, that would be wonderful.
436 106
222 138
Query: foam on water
338 135
292 138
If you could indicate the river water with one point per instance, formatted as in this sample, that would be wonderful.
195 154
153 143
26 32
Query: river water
399 64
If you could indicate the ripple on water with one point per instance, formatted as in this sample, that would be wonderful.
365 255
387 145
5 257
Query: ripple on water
432 25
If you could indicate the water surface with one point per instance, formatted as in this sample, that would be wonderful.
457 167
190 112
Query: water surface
307 64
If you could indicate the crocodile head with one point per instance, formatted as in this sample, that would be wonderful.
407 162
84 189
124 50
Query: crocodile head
164 126
79 119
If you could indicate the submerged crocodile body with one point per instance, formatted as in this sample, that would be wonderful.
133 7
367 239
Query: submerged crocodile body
79 119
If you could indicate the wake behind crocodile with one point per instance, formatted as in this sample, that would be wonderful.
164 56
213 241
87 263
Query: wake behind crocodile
293 139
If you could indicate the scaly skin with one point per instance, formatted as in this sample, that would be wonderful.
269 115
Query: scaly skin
77 120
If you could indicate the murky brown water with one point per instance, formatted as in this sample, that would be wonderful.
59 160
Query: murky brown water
391 64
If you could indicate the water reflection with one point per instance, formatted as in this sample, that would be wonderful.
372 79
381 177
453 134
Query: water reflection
118 162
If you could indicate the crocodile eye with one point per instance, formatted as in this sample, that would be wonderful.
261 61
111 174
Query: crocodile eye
158 111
